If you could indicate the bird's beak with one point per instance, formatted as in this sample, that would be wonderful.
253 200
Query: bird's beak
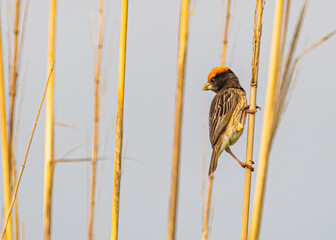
207 86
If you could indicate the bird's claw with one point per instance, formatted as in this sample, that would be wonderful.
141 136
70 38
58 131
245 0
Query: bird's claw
245 165
249 167
252 111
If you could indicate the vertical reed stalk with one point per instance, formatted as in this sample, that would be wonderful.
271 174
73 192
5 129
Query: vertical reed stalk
14 142
13 81
226 32
96 121
182 46
49 125
204 171
4 148
14 75
287 76
205 231
16 207
284 35
119 121
267 124
250 129
7 217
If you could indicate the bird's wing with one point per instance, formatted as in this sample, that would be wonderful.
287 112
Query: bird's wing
221 110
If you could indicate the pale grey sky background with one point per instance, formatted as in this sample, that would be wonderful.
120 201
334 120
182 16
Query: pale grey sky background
300 200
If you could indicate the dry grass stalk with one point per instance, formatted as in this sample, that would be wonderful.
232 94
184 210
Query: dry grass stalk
4 146
23 31
204 170
226 32
275 102
16 188
206 215
119 121
13 81
16 207
14 69
280 101
287 77
14 170
23 234
284 35
325 38
49 126
85 159
96 121
205 231
267 123
288 82
73 149
65 125
182 46
251 119
10 18
294 66
16 64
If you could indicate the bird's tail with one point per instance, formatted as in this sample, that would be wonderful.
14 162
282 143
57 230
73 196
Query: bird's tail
213 162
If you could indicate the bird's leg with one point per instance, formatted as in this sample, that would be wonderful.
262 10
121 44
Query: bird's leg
244 165
246 111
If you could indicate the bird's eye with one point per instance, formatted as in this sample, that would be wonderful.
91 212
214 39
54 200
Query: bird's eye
212 80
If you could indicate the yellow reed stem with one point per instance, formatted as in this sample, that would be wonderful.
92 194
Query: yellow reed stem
204 167
14 74
284 36
183 37
267 125
49 125
226 32
4 148
119 121
96 122
209 195
16 207
6 221
205 231
250 129
13 80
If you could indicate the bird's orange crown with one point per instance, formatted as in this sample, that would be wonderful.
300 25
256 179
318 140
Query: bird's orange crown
217 70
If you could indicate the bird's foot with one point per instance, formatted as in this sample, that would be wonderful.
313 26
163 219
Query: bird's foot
252 111
245 165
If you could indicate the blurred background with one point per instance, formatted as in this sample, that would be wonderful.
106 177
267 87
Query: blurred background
300 201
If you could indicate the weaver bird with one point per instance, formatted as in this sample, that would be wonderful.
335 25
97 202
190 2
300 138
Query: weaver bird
227 113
